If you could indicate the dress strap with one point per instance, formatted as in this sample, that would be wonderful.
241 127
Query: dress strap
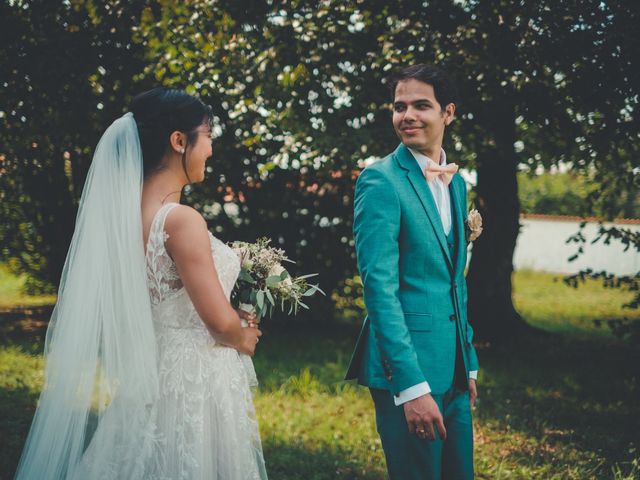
157 226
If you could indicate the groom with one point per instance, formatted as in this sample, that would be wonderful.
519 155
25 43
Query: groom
414 351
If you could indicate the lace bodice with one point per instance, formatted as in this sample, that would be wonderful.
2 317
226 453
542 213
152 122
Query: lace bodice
162 274
165 285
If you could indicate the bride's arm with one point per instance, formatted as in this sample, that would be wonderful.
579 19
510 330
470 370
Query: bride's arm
189 246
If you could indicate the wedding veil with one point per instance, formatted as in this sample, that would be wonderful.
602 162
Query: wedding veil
95 415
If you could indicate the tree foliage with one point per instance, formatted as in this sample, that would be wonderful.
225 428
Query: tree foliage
300 95
298 91
625 327
570 193
68 68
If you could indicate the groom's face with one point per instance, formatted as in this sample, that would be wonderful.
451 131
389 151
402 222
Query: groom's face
418 119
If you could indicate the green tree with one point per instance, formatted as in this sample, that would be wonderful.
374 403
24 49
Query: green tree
300 95
553 194
68 69
569 193
298 89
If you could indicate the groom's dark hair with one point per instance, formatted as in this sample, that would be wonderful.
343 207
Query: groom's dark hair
444 88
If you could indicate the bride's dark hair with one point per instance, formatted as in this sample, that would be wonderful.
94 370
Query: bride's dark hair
160 112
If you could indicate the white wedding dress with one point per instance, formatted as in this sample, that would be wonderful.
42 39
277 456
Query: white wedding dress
135 386
206 423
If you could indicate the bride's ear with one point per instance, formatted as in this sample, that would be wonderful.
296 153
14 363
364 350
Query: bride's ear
178 142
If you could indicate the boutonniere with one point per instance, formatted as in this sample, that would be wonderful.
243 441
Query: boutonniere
473 225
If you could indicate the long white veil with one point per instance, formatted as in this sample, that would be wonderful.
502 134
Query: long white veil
95 414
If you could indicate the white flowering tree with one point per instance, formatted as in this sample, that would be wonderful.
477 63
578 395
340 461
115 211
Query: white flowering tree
298 91
300 96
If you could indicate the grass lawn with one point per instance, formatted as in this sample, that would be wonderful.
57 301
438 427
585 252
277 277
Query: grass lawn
563 406
11 295
547 303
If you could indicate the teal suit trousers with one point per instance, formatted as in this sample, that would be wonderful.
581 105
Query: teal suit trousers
411 458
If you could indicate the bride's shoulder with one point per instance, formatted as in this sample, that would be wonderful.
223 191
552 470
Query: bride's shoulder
184 219
184 216
188 236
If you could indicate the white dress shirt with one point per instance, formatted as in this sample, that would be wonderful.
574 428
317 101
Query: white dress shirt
439 189
442 197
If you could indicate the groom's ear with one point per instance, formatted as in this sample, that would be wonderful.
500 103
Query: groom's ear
449 113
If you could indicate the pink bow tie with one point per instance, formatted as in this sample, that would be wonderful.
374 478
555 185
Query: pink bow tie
445 173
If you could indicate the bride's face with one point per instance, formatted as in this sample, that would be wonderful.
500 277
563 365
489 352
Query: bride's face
199 152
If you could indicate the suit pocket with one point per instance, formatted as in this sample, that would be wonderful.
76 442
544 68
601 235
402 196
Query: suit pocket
419 322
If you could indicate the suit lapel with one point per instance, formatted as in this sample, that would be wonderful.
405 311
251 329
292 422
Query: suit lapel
457 205
419 184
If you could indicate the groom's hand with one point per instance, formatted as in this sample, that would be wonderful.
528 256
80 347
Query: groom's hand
473 392
422 415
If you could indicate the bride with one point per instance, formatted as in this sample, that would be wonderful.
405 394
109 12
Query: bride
144 376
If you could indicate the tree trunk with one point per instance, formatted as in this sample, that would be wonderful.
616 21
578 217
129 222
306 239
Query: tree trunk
491 310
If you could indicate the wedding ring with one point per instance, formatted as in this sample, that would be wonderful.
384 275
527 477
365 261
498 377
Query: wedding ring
257 339
420 431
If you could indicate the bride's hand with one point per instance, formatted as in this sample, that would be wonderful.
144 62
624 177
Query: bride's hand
251 318
250 337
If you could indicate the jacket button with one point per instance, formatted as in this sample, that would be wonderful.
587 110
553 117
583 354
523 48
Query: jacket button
452 318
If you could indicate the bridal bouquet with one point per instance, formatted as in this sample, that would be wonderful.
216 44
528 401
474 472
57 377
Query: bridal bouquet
264 284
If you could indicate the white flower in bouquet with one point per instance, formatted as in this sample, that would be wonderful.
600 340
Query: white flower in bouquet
247 264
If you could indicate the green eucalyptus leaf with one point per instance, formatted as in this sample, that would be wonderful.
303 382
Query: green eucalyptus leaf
260 299
270 297
245 276
272 280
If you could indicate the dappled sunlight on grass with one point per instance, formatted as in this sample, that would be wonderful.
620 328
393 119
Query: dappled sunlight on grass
556 407
12 295
568 399
21 379
546 302
337 430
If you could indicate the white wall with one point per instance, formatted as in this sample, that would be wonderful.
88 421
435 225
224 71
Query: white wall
541 246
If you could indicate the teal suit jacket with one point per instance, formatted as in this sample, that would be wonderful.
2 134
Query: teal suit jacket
414 293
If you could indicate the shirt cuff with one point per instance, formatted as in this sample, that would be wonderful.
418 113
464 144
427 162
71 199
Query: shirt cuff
411 393
473 374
